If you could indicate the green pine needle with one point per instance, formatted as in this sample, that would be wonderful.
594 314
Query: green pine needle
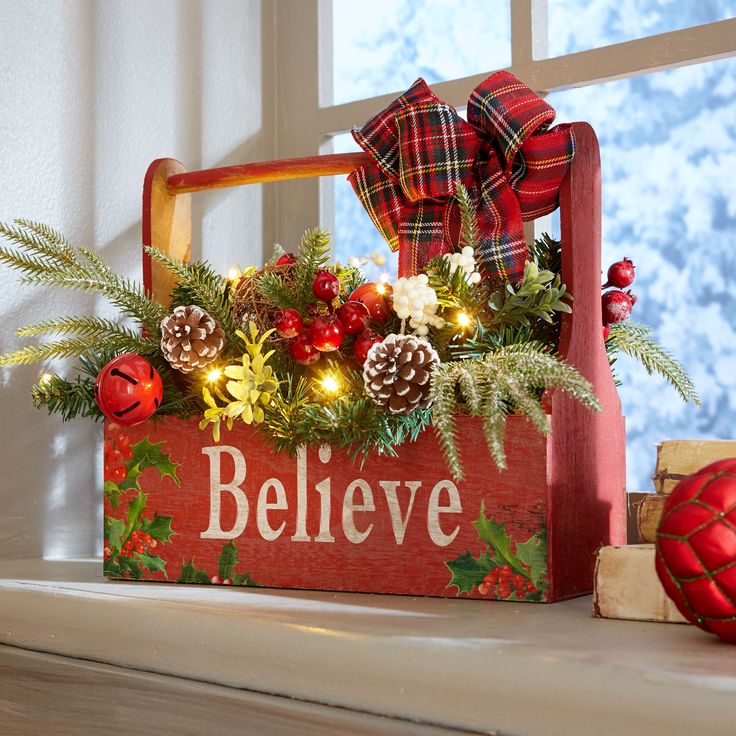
509 379
71 399
634 340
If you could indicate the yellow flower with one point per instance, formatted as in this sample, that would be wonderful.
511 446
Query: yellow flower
251 387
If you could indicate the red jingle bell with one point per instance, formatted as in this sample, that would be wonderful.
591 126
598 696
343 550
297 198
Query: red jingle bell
696 548
128 390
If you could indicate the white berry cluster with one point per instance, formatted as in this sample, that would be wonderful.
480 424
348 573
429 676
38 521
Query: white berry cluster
416 300
465 260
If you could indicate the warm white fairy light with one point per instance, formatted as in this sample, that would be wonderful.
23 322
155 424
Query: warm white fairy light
384 277
214 375
45 378
330 384
463 319
233 274
380 288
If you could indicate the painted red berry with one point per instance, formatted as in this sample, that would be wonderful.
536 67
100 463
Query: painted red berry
620 274
227 581
288 322
286 260
216 580
354 317
115 473
377 298
617 306
364 343
483 588
326 334
326 286
302 350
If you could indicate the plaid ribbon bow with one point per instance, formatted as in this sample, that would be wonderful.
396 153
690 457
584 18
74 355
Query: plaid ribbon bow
506 155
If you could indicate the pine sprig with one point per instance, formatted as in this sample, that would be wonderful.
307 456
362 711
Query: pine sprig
201 285
272 287
507 380
313 254
71 399
468 219
634 340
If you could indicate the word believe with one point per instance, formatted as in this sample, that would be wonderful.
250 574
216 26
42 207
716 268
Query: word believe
358 499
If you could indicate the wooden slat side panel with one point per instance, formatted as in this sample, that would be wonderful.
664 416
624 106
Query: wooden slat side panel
371 528
587 472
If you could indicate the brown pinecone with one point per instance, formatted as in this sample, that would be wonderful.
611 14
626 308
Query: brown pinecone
397 372
190 338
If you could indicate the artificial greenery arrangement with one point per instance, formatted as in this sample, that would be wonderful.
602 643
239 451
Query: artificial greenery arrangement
309 353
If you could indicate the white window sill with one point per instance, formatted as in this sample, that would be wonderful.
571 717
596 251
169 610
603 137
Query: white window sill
518 668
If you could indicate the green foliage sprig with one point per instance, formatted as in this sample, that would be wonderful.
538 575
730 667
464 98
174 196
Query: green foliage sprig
634 340
295 417
505 381
313 254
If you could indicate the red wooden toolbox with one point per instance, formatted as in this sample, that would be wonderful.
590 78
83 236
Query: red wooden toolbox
235 513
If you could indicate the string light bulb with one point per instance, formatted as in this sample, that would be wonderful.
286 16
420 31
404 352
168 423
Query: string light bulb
463 319
233 274
330 384
45 378
381 287
214 375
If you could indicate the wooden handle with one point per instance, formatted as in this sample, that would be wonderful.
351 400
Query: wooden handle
167 225
265 171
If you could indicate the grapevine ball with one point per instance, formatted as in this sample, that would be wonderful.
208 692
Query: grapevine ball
696 548
128 390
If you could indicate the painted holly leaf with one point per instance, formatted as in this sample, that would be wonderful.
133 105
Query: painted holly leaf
131 566
135 508
151 563
228 560
114 529
112 493
147 454
245 579
468 571
190 573
533 553
159 527
495 535
111 568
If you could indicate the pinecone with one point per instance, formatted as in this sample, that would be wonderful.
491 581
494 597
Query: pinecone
191 338
397 372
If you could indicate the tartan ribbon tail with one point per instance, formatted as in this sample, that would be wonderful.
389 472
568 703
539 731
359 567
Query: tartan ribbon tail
506 155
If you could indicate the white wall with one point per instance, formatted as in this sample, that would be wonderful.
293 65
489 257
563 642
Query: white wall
92 92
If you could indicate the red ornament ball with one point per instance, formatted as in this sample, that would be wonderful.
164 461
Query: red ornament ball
128 390
696 548
377 297
620 274
326 334
364 343
617 306
326 286
302 350
354 317
286 260
288 322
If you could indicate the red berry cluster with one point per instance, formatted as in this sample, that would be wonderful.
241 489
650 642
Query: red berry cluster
326 332
139 542
217 580
117 452
502 582
617 304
